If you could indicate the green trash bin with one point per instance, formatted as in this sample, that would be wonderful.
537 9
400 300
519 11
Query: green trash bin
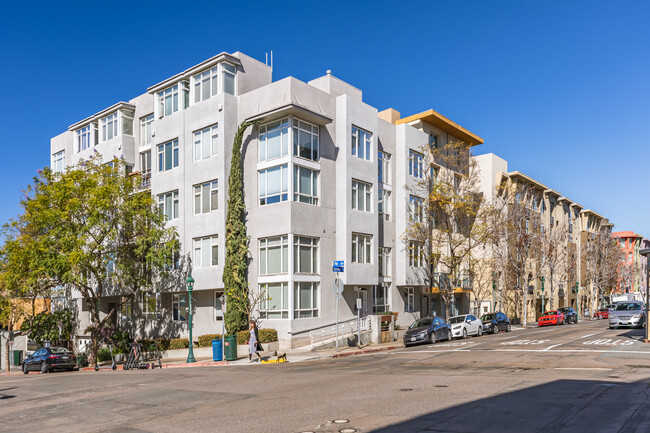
231 347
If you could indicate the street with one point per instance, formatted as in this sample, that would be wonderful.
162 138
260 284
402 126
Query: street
578 378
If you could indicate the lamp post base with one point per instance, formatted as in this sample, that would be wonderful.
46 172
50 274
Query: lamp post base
190 357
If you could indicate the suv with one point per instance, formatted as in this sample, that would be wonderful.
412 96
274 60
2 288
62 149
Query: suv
570 315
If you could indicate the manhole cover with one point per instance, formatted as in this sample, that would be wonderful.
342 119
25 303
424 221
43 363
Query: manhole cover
341 421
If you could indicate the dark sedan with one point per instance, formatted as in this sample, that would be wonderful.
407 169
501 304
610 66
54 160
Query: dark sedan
570 315
47 359
495 322
427 330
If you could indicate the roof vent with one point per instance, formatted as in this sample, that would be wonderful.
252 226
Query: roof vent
329 72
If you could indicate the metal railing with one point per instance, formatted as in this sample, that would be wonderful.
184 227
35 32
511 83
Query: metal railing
327 334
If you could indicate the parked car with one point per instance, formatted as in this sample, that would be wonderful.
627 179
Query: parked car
627 314
47 359
427 330
467 324
495 322
601 313
552 317
570 315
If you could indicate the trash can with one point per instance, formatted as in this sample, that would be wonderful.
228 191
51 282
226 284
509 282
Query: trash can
231 348
82 360
216 350
18 358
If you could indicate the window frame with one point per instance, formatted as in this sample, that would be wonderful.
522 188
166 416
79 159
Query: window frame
310 243
214 244
313 310
172 213
361 143
212 191
383 203
282 195
145 303
264 304
162 155
109 126
416 254
284 127
416 164
361 243
416 205
83 138
212 133
58 158
385 307
409 305
263 250
298 126
310 197
177 304
383 261
146 130
367 194
383 175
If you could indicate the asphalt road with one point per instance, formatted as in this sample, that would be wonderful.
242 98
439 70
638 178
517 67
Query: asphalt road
578 378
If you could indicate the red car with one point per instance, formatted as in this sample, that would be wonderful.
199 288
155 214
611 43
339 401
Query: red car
602 313
553 317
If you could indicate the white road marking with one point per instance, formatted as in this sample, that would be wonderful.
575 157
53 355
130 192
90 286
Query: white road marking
639 352
550 347
583 368
524 342
585 336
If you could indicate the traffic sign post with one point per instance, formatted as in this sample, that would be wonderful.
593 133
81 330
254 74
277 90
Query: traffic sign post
337 266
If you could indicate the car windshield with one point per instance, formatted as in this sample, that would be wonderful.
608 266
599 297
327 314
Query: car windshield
565 309
550 313
628 306
420 323
60 350
489 316
457 319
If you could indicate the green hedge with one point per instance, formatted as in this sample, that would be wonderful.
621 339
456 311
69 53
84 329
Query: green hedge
104 354
266 336
206 340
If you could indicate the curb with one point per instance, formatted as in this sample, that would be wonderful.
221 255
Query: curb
181 365
362 352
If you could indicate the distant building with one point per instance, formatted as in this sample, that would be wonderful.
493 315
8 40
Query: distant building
633 271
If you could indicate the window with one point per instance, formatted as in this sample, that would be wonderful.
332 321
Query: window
145 162
228 72
305 300
168 101
384 167
168 156
149 304
274 140
109 126
380 298
305 185
274 301
416 161
205 143
384 262
409 306
416 254
127 122
415 208
83 138
273 184
206 252
433 141
305 140
206 84
206 198
58 162
361 143
146 130
305 255
274 255
168 204
361 195
361 248
218 305
179 307
383 204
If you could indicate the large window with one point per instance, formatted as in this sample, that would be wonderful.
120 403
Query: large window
206 84
305 140
83 138
206 198
168 155
274 255
416 254
179 307
274 140
206 252
229 72
168 204
146 130
384 262
273 184
361 195
305 185
361 143
274 301
415 208
416 167
409 305
380 302
305 300
149 305
205 143
126 117
109 126
384 167
433 141
361 247
305 255
218 305
58 162
383 204
168 99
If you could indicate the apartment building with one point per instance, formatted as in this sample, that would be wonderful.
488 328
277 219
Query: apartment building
566 286
633 270
324 177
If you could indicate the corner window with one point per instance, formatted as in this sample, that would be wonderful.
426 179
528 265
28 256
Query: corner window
274 301
228 72
179 307
146 129
305 140
127 122
361 143
274 255
83 138
361 195
168 156
383 204
273 184
205 84
205 143
206 252
361 247
384 167
305 255
274 140
170 99
58 162
305 300
109 126
305 185
416 161
206 197
168 204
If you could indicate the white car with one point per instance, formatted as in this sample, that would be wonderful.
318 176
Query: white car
467 324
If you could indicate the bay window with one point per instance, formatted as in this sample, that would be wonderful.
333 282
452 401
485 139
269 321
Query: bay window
171 98
109 126
273 184
384 167
305 185
305 300
305 255
274 302
274 255
383 204
274 140
305 140
83 138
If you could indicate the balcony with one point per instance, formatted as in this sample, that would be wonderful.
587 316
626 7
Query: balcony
144 177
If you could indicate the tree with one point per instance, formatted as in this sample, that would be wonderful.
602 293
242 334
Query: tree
602 260
235 271
555 256
102 234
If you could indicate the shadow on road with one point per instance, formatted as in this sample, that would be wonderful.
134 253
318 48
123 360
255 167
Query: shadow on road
563 405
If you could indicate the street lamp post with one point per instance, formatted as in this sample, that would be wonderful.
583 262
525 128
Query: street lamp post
190 354
577 300
494 291
645 253
542 278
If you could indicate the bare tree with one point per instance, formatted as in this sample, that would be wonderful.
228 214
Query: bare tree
554 253
603 257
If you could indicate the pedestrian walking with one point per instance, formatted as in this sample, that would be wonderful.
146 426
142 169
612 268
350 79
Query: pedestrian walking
253 342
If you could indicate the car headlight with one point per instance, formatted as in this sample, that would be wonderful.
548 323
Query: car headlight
455 328
636 316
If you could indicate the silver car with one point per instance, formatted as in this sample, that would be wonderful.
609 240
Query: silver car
627 314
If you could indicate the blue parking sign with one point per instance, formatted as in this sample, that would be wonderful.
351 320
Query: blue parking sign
337 266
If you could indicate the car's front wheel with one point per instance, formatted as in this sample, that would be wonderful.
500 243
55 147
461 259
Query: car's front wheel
432 338
508 329
480 331
464 333
495 329
44 368
25 368
449 335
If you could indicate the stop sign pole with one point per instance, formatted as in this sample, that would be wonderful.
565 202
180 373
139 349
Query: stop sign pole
337 266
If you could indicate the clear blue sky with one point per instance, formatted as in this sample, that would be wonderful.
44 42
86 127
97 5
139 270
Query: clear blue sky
560 89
